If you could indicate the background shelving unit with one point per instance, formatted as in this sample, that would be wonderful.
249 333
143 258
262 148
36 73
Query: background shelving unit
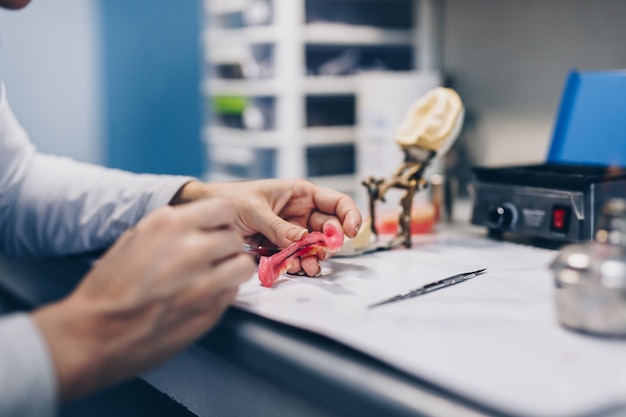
279 80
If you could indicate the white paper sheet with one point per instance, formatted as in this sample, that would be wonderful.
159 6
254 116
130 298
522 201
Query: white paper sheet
495 338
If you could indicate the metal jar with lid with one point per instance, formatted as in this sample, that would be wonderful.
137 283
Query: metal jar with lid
590 278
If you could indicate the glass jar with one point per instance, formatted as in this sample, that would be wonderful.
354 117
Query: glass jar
590 278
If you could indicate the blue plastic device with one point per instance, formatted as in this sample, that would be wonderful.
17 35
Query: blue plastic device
591 123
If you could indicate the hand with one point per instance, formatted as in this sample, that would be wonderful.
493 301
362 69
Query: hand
161 286
282 211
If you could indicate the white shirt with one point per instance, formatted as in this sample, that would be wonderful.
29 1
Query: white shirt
51 205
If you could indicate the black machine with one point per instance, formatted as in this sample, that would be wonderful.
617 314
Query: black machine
553 201
563 198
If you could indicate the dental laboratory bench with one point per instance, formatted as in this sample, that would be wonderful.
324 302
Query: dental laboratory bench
481 348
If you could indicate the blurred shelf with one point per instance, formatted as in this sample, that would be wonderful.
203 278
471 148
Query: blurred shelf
314 136
237 155
321 136
341 34
329 85
339 85
242 138
289 49
219 38
314 33
217 7
246 88
227 55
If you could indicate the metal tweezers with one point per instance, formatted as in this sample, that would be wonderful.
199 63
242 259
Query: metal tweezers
433 286
259 250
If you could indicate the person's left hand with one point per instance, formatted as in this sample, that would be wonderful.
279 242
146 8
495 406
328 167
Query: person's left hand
282 211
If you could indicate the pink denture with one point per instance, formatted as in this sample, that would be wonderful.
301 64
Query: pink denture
270 267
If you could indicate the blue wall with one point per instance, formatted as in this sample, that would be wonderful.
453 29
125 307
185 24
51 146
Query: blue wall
151 85
50 61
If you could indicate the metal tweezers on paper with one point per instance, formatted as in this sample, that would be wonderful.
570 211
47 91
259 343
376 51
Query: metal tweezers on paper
433 286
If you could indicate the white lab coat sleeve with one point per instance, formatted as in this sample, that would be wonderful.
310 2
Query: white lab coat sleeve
28 385
51 205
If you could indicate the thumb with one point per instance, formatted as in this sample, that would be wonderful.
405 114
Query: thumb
279 231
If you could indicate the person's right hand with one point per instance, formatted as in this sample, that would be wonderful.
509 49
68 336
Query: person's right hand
161 286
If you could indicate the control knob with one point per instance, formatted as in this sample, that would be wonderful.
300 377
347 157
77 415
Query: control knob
502 216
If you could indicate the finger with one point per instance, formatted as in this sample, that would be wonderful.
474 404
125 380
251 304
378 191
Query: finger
306 266
209 213
333 202
311 266
233 271
188 327
193 251
205 287
279 231
215 246
318 220
295 267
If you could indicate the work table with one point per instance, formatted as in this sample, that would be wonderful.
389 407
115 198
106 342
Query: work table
251 365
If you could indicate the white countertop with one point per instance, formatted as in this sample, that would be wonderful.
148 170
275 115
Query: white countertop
494 339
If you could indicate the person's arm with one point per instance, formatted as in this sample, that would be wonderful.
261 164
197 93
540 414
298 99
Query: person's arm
52 205
63 207
28 385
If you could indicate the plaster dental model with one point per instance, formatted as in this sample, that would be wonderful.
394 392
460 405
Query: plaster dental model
429 129
363 241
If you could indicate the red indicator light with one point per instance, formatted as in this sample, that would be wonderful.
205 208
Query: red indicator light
560 219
